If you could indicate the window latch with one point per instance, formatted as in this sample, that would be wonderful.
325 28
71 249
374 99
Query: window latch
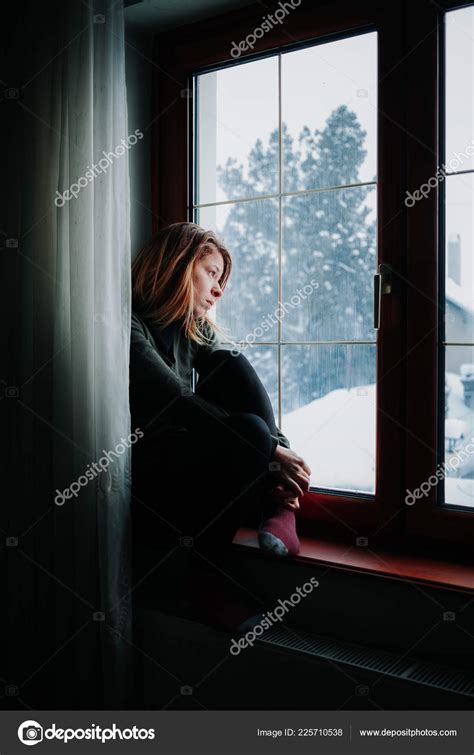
382 286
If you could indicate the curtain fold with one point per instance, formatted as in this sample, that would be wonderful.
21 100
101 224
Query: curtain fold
69 330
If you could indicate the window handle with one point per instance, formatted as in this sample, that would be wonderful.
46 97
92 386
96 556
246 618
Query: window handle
382 285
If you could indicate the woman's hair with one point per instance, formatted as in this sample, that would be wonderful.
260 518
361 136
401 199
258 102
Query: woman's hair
162 276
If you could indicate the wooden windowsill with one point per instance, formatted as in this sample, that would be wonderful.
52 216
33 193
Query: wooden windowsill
390 563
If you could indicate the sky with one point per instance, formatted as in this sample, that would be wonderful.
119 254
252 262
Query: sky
459 135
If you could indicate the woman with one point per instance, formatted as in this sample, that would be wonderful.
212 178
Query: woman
212 459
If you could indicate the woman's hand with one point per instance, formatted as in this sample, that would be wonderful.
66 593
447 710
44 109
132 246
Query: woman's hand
293 477
278 494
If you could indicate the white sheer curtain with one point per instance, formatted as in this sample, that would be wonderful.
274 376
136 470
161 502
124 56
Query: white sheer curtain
71 581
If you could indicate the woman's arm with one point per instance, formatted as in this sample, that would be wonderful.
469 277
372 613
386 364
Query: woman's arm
281 439
157 395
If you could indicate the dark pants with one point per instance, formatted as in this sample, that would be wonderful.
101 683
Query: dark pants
194 492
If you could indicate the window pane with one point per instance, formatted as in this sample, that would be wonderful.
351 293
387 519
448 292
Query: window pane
459 426
237 115
328 263
265 361
459 89
329 108
328 239
249 303
328 404
458 472
459 258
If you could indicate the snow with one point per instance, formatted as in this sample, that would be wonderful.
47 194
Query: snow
456 295
459 491
467 371
343 419
335 435
459 484
454 429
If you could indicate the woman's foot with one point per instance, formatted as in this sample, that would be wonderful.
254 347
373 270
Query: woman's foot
277 532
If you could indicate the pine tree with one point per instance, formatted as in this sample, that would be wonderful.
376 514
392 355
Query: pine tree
327 237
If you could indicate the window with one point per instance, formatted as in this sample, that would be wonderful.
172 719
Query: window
286 174
457 351
300 154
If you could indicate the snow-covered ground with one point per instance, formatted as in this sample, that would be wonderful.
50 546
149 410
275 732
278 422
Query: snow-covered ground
335 434
459 426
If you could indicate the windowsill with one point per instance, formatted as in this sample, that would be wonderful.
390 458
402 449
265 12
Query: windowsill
391 562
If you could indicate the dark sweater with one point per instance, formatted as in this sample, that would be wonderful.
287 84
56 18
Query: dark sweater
161 395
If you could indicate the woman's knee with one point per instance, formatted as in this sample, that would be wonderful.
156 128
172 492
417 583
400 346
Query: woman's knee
238 363
222 364
253 430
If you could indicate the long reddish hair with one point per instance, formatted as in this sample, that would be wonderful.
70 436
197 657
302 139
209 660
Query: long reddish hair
162 272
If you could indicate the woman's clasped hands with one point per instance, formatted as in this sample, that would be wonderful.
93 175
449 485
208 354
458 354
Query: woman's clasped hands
293 478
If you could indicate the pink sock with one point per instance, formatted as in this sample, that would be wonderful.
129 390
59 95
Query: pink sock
277 533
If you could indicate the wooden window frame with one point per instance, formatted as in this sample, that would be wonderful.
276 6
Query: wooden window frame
425 277
408 98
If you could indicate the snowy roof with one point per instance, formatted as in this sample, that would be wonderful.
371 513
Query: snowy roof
455 295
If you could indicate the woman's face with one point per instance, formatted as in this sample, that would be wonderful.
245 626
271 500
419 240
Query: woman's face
206 275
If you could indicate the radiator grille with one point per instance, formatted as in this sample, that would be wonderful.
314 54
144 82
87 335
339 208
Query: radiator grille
379 661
